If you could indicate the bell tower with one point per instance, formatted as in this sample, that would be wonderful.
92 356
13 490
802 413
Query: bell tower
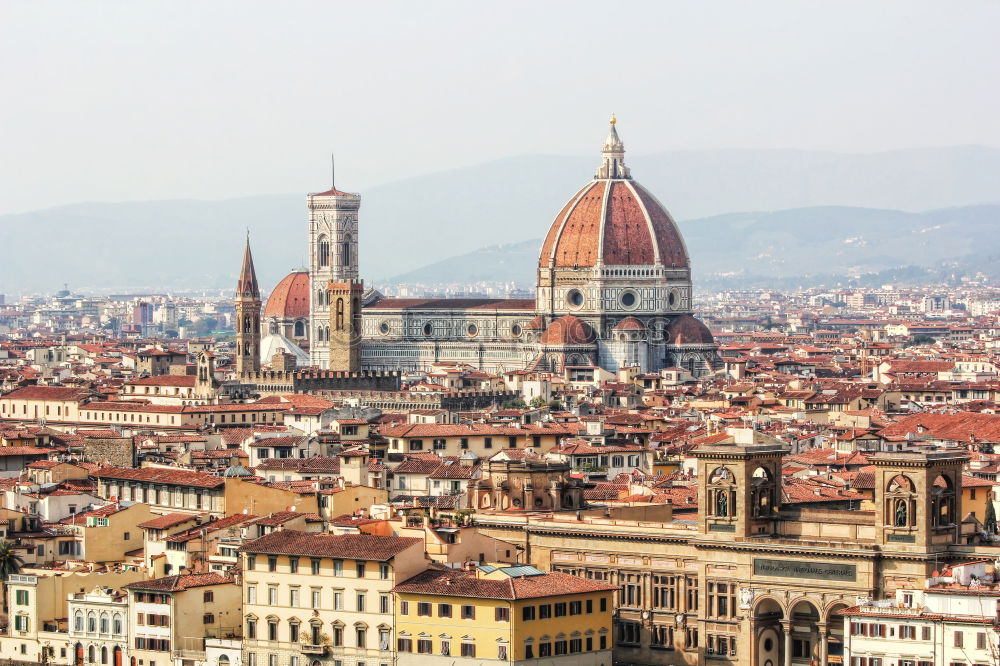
248 308
739 489
918 499
333 256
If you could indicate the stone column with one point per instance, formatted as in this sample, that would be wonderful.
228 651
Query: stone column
823 647
786 627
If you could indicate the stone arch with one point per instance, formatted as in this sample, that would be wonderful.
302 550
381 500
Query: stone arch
943 502
804 612
763 493
768 614
832 640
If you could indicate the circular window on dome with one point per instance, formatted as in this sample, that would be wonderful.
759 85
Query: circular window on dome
471 330
629 300
672 298
383 328
515 330
574 298
428 329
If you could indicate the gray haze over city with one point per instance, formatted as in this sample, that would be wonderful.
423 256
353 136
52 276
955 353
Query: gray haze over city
127 101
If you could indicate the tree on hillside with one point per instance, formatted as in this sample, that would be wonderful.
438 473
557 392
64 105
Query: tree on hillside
10 563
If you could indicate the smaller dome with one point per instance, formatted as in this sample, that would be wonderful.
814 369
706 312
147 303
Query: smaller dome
629 324
290 298
568 330
536 324
687 330
235 471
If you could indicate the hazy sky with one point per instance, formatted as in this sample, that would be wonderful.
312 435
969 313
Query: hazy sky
131 100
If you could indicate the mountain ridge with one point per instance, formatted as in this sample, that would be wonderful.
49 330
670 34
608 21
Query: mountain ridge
410 223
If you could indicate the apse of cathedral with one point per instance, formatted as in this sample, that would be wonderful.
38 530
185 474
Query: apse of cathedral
613 290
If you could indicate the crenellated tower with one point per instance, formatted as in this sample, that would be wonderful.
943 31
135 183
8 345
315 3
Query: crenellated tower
333 257
248 307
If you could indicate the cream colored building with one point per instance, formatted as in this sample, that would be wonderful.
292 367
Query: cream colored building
171 617
98 626
321 598
39 612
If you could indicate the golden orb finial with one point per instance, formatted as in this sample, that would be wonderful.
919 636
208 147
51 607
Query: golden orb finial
613 120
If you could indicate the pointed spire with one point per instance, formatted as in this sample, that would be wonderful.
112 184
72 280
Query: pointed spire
247 284
613 155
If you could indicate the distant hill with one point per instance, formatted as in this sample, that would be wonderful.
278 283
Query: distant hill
804 244
416 222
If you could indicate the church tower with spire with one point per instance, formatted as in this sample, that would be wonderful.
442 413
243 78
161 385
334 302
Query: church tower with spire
333 257
248 307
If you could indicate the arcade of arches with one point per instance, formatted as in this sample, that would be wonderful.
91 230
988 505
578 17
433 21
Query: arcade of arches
742 578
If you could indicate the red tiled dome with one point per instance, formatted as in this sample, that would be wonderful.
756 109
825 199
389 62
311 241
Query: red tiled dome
290 298
686 330
614 222
568 330
630 324
536 324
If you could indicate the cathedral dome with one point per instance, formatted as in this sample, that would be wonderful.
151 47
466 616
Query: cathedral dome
613 221
290 298
568 330
687 330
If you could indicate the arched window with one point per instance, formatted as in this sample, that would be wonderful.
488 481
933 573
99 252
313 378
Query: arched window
340 314
78 621
104 623
300 330
223 660
91 625
91 654
104 654
345 251
323 251
247 325
117 624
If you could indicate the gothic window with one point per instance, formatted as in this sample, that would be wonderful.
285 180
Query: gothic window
247 325
323 251
345 251
340 314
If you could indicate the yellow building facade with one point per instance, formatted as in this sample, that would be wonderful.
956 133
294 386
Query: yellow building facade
512 614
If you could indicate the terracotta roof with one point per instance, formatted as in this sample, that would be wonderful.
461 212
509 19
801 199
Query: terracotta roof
164 380
174 477
346 546
178 583
47 393
461 583
453 304
167 520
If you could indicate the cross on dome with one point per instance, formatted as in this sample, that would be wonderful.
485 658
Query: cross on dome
613 156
